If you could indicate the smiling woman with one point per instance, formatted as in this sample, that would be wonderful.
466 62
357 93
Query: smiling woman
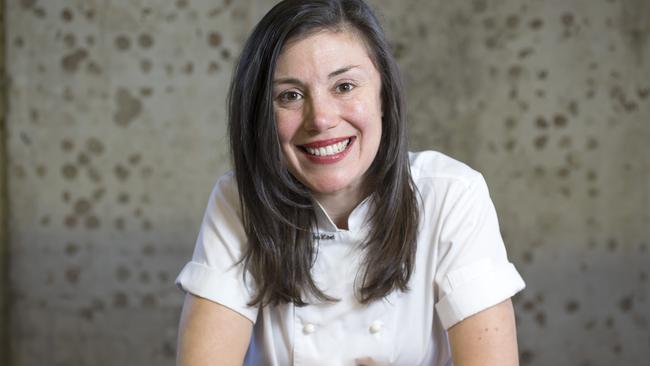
330 243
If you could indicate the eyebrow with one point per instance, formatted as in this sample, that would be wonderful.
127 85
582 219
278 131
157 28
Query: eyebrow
290 80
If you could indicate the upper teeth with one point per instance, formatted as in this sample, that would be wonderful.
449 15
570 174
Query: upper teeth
329 149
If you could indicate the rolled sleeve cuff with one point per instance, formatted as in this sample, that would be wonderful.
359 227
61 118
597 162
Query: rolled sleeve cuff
477 288
226 288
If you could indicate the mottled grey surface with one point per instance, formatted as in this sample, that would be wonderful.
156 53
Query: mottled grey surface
116 133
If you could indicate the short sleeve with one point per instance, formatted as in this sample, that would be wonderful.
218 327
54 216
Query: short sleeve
215 271
473 271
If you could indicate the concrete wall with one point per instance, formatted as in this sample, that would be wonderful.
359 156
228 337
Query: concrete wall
116 132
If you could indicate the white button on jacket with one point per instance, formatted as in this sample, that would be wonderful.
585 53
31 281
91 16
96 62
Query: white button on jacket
461 268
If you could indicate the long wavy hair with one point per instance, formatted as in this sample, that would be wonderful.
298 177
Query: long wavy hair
277 210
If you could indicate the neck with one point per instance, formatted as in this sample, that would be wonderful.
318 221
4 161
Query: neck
339 205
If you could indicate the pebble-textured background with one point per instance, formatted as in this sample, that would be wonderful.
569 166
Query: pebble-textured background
116 133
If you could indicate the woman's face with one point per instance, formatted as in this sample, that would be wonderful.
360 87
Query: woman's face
327 106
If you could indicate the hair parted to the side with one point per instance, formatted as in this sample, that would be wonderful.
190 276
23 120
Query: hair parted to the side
277 210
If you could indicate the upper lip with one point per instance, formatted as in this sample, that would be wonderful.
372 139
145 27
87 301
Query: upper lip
323 143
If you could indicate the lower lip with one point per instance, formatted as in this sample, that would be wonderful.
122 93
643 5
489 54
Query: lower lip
330 159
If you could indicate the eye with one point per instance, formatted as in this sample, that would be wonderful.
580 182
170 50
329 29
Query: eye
345 88
289 96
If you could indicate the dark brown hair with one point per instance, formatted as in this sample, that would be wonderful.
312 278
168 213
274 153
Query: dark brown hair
277 210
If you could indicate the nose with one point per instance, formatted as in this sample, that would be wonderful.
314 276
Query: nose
321 114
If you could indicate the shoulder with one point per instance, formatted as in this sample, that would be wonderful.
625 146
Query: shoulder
438 168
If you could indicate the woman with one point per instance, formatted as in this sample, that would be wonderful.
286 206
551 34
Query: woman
329 243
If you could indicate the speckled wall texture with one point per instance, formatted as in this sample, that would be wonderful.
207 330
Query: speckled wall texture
116 133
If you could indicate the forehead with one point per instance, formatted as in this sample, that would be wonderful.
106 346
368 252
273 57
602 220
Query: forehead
323 50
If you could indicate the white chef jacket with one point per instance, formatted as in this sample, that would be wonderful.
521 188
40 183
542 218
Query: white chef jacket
461 268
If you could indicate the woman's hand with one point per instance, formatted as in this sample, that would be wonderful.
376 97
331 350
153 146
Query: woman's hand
211 334
486 338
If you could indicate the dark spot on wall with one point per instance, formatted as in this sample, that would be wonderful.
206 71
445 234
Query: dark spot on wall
128 107
119 223
82 206
123 198
120 300
169 350
539 171
71 249
213 67
163 277
560 120
95 146
72 275
512 21
526 356
149 250
643 92
27 4
479 6
70 62
137 212
572 306
98 194
609 322
510 123
40 12
181 4
146 92
67 15
541 122
145 277
134 159
563 173
617 348
122 273
225 54
215 39
94 68
643 277
121 172
146 172
542 74
69 40
188 68
626 303
567 19
536 24
540 141
565 142
83 159
41 170
528 257
525 52
592 144
19 42
94 174
515 71
146 225
528 306
612 244
69 171
145 41
591 175
510 145
149 301
92 222
45 220
145 66
573 108
540 318
122 43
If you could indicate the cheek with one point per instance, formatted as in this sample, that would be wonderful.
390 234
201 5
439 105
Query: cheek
287 126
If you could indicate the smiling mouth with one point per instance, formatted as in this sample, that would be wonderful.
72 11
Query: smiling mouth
318 149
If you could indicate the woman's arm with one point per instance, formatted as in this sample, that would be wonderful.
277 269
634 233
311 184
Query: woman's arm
486 338
211 334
